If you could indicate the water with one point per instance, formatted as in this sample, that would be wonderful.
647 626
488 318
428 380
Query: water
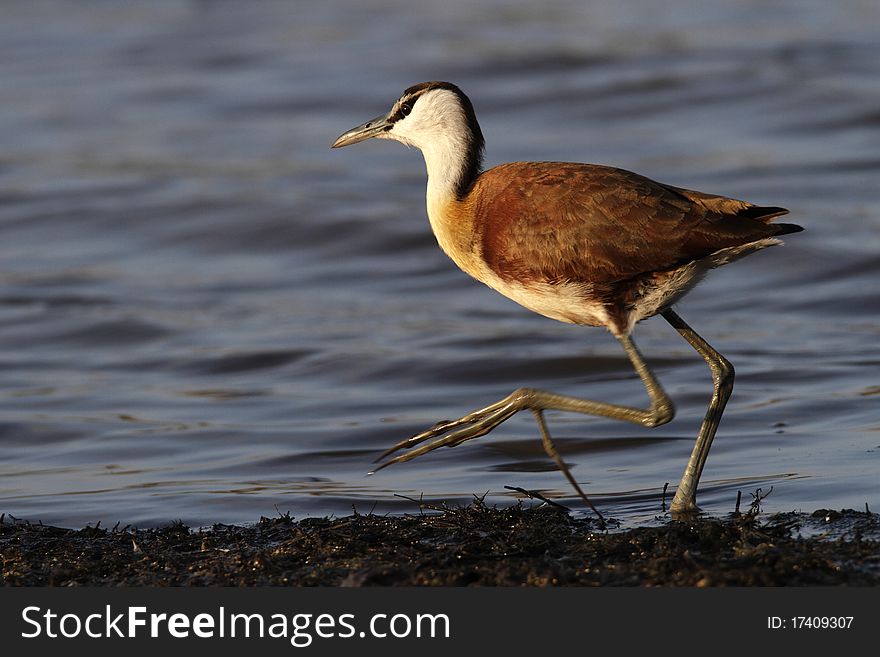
206 314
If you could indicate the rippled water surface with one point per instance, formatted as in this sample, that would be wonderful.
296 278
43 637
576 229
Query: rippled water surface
206 314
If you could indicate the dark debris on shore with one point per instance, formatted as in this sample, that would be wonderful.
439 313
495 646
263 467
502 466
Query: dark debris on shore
473 545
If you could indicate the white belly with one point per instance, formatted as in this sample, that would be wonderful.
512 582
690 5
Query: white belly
565 302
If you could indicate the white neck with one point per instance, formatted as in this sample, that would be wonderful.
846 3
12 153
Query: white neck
446 161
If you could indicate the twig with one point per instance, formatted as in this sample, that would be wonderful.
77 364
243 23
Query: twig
663 503
535 495
422 505
739 496
479 500
285 515
758 497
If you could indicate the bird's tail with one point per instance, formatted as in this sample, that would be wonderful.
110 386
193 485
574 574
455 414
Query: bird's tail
766 214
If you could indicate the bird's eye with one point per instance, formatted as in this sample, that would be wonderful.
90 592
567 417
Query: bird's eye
406 108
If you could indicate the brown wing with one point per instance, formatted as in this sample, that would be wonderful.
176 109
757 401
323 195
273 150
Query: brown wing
550 221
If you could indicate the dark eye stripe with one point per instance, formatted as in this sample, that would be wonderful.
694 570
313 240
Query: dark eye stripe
404 107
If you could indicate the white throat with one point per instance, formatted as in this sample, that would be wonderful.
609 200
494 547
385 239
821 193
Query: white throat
446 162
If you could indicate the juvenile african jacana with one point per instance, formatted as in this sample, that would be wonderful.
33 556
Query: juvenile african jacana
579 243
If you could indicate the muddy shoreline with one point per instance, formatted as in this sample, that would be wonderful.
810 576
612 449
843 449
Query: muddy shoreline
469 546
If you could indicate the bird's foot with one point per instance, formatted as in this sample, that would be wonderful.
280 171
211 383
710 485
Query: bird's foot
684 504
449 433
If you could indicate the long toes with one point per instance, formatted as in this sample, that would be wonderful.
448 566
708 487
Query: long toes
451 432
437 429
463 435
408 456
400 458
449 440
443 426
455 438
397 446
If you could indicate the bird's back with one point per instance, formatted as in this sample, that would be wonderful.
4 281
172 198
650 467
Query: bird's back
551 221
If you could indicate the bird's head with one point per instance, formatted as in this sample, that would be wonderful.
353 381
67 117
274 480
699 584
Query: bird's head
438 119
426 114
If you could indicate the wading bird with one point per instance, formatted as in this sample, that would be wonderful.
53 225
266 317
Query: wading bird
579 243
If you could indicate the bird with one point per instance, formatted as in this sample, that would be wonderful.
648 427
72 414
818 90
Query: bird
584 244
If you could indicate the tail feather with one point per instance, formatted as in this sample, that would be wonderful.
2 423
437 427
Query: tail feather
766 214
785 229
763 213
720 209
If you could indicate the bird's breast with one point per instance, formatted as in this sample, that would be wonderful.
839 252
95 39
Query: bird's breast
460 234
452 222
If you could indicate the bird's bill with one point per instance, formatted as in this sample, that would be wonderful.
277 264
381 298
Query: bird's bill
371 128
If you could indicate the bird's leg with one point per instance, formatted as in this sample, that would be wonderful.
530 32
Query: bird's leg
550 448
481 422
685 500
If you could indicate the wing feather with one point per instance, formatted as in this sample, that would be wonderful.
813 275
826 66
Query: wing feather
553 221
